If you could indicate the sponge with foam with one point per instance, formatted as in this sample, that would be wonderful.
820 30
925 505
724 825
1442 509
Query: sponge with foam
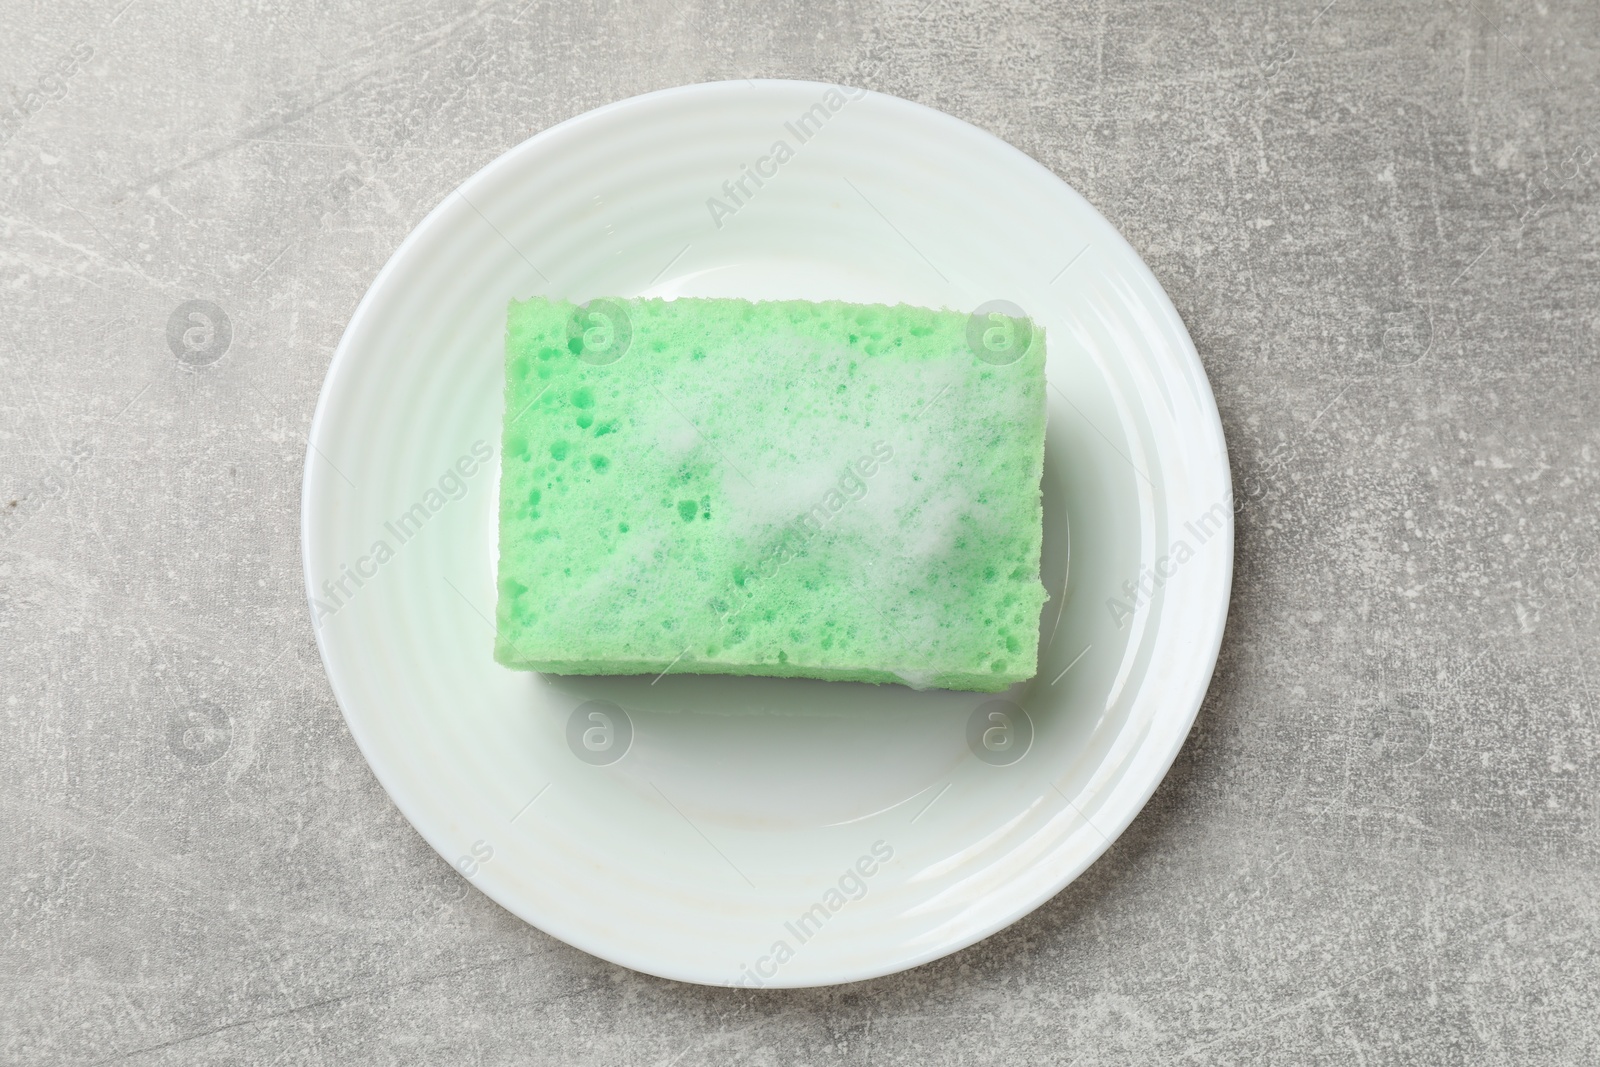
787 488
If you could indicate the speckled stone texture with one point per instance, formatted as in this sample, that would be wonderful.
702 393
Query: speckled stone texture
1381 843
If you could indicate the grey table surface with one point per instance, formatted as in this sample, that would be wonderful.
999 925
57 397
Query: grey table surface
1380 224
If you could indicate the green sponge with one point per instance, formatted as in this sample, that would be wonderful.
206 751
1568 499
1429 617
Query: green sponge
786 488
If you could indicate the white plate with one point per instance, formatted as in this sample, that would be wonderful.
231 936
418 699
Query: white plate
711 815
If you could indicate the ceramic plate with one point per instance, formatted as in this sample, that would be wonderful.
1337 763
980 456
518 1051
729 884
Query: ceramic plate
762 832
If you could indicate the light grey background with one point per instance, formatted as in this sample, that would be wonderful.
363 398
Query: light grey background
1380 224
